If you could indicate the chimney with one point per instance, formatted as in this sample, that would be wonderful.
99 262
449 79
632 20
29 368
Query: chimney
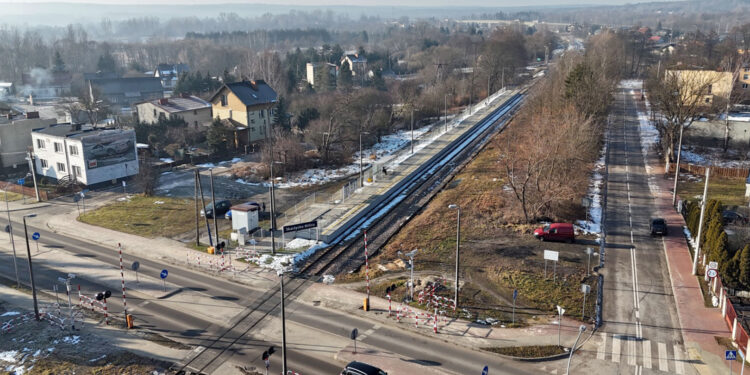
163 101
30 115
31 99
254 85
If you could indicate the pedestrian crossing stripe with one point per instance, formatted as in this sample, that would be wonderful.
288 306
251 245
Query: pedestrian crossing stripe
640 353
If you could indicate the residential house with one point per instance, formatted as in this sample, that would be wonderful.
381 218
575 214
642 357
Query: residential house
743 81
193 110
6 89
15 137
248 107
45 84
315 71
71 153
357 64
169 74
124 92
707 83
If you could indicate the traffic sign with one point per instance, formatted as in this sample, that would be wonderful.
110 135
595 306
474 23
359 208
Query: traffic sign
300 226
354 334
486 370
35 236
20 181
164 274
7 228
713 265
551 255
730 355
136 265
712 273
515 294
585 288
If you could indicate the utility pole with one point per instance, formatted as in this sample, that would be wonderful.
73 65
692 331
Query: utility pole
502 80
445 113
197 211
573 349
33 173
205 217
31 270
700 223
273 209
361 175
12 241
458 246
412 130
213 200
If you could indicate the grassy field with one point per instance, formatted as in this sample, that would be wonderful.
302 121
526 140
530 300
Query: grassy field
528 351
731 191
145 216
11 196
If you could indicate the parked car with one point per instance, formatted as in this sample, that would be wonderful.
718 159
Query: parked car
360 368
556 232
658 226
221 208
733 217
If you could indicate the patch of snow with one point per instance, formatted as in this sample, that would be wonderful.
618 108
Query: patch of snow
9 356
72 339
158 202
299 243
633 84
36 353
166 160
206 165
594 223
98 358
11 313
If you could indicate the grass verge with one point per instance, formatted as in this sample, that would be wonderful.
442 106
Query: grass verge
731 191
537 351
145 216
11 196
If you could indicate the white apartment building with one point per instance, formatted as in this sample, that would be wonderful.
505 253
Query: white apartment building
86 156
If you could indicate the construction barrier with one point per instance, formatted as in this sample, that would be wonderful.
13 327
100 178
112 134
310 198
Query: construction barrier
93 304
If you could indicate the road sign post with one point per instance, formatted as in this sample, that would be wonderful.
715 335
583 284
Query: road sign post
560 312
35 236
731 356
553 256
353 336
589 252
163 276
486 370
585 289
136 265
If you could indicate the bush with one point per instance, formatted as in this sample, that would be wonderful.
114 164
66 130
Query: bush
744 265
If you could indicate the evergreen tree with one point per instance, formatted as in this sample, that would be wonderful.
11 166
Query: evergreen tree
378 81
106 63
58 65
730 271
217 137
711 234
281 116
720 250
745 266
694 216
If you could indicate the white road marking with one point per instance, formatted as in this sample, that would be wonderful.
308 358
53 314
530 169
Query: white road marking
600 352
663 366
647 354
616 349
632 354
631 238
678 364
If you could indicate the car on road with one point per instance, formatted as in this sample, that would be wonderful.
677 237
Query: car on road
221 208
556 232
658 226
733 217
361 368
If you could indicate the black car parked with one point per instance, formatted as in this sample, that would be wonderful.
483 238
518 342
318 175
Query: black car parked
359 368
221 208
733 217
658 226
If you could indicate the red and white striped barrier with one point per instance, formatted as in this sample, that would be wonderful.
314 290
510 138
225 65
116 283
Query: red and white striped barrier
122 277
367 269
9 325
93 304
389 304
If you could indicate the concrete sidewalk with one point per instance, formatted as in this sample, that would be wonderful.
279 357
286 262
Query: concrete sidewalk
700 324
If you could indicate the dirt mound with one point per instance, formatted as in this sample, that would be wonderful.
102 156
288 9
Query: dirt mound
249 171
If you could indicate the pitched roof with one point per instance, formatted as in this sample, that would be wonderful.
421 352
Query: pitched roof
110 86
180 104
355 57
250 92
168 69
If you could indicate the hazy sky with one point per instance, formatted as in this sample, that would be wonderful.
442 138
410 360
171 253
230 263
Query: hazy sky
419 3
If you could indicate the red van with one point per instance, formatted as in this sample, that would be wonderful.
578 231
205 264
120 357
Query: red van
556 232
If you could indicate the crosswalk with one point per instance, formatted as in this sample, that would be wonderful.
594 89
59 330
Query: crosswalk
642 352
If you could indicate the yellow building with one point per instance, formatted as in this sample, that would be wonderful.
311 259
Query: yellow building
706 83
743 81
248 106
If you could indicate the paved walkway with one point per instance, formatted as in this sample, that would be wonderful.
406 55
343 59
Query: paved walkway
700 324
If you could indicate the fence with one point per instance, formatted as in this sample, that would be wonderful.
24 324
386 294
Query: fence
24 190
715 171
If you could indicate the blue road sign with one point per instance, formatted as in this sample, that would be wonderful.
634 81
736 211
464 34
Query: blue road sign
515 294
35 236
164 274
486 370
20 181
730 355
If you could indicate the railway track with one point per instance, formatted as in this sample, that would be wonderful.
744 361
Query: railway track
383 218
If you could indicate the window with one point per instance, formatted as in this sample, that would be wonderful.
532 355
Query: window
710 87
261 113
73 150
43 163
196 124
708 100
195 111
744 85
60 167
58 147
154 112
252 121
223 100
746 76
40 143
76 170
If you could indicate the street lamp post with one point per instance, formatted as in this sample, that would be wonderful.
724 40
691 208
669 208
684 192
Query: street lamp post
445 102
458 245
30 158
361 176
213 202
412 130
573 349
410 255
283 325
677 168
12 241
31 270
560 312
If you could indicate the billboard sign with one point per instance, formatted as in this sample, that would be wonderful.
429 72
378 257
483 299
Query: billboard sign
108 148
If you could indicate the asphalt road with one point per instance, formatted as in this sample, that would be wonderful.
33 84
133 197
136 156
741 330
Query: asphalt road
641 333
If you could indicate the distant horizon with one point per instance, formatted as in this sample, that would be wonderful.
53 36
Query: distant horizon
495 4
